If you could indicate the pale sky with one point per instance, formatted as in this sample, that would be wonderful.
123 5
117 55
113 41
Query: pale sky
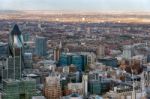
76 5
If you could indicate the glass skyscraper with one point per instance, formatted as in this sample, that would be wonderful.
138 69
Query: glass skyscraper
15 60
41 46
79 60
14 85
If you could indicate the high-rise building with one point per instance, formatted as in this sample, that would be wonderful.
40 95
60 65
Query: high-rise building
100 51
52 88
26 37
85 84
41 46
3 49
14 86
15 42
77 59
19 89
28 60
57 52
14 67
94 87
65 59
15 59
78 62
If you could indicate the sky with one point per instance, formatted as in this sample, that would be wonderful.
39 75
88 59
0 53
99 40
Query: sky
76 5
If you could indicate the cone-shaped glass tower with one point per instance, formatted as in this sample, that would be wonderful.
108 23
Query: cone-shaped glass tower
16 60
15 41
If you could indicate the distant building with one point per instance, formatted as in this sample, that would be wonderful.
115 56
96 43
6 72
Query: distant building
26 37
56 54
127 52
79 60
113 62
41 46
148 58
3 49
100 51
85 84
28 60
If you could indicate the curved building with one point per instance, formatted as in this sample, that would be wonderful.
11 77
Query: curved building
15 41
15 50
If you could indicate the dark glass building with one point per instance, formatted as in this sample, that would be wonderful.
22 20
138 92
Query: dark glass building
41 46
3 49
79 60
113 62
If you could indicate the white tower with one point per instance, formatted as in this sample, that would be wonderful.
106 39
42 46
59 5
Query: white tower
143 93
127 51
85 84
133 85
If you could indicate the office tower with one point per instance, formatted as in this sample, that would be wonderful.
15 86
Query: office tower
79 60
14 86
52 88
94 87
57 52
3 49
85 84
148 58
91 58
65 59
28 47
19 89
14 69
15 59
100 51
26 37
15 42
41 46
28 60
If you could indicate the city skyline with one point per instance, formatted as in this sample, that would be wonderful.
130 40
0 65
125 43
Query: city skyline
76 5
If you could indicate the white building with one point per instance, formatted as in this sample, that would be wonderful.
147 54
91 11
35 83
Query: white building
127 51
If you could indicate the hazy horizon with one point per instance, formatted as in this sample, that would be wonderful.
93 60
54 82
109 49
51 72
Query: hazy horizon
77 5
